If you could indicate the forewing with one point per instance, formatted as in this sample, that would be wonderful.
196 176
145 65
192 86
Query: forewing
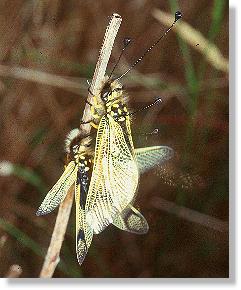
131 220
114 178
84 233
122 168
149 157
58 192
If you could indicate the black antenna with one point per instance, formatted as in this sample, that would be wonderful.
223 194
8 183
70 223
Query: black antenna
126 42
178 15
158 100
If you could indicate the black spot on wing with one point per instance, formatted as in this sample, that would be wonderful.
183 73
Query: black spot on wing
81 236
83 181
81 247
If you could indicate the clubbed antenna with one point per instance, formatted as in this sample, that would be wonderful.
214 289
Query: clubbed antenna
157 101
178 15
126 42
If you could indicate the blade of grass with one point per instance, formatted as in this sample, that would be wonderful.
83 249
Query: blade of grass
30 176
217 17
190 74
21 237
8 168
26 241
192 88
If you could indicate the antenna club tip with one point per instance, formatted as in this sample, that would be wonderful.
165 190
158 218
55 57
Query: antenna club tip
116 15
126 41
158 100
178 15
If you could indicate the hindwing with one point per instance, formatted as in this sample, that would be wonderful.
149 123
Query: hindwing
131 220
149 157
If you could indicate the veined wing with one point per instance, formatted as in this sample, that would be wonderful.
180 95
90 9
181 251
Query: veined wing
84 233
114 178
131 220
58 192
148 157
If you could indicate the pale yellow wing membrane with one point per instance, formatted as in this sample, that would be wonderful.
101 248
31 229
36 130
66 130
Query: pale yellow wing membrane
114 178
131 220
149 157
123 172
84 233
58 192
97 189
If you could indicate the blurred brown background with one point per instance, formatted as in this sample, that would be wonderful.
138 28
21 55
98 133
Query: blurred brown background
47 51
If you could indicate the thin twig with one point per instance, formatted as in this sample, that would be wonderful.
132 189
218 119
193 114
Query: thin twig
190 214
52 257
41 77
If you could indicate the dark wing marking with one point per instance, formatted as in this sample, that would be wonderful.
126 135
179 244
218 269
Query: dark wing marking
131 220
84 233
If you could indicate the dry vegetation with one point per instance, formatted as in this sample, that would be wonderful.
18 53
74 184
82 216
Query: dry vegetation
47 51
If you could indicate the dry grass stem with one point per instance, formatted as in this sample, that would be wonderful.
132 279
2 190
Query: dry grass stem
190 215
40 77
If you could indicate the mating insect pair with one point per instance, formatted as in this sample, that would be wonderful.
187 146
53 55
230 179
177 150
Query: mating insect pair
107 195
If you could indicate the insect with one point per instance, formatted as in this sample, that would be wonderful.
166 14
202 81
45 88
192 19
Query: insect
80 154
77 171
115 175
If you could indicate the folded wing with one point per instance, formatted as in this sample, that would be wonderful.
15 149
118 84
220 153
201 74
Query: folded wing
84 233
114 178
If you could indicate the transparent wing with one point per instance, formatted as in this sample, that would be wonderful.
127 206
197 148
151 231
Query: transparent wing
173 176
115 175
58 192
84 233
148 157
131 220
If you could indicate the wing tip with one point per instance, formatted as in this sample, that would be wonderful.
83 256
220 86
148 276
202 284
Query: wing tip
80 259
81 251
172 152
40 212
